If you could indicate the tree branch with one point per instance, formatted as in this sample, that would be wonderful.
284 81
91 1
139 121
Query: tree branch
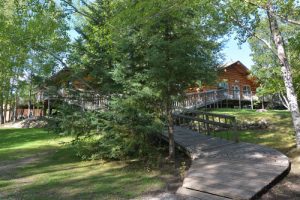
251 32
285 18
69 3
284 101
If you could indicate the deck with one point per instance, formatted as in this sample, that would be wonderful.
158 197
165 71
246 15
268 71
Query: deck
223 169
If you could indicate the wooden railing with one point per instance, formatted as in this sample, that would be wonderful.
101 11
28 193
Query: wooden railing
202 99
87 102
208 123
199 99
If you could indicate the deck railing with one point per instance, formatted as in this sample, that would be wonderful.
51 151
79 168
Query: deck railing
208 123
202 99
87 102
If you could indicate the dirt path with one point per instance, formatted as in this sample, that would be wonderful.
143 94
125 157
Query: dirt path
18 124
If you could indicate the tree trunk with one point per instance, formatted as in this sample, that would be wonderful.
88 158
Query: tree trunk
286 70
168 37
49 107
16 107
30 98
1 108
170 132
5 110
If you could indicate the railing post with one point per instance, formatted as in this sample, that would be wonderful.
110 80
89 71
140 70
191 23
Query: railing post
207 124
235 132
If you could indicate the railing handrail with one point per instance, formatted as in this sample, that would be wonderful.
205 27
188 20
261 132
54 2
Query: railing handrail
229 121
207 121
210 114
216 91
205 92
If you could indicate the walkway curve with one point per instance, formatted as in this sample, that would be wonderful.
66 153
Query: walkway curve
222 169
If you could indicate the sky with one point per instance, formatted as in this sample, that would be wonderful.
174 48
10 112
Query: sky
232 52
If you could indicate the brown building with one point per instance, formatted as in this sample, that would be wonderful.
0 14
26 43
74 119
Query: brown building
235 77
234 87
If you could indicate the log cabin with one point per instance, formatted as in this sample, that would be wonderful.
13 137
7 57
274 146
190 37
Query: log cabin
236 78
234 86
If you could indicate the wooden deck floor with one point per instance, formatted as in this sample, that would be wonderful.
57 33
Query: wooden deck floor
223 169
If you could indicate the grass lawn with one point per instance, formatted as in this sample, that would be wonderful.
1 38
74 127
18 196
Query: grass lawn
35 164
279 135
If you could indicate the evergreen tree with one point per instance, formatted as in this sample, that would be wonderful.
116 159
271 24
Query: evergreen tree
165 47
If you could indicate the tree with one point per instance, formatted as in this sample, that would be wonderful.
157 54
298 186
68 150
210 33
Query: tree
266 65
164 47
247 15
92 53
34 39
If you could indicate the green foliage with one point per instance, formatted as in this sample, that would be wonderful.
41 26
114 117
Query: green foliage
147 53
34 41
125 131
169 52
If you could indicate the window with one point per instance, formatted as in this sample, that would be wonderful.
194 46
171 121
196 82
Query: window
223 85
246 90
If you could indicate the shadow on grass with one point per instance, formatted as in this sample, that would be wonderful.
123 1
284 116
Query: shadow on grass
74 179
107 184
34 168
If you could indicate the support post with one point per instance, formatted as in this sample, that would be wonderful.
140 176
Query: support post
207 124
240 101
251 98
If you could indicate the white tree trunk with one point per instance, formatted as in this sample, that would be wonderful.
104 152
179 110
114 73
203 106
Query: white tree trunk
286 71
284 101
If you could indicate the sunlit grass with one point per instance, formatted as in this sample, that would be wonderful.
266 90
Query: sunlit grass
279 135
34 164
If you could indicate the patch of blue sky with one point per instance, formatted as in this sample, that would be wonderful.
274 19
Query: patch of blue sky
233 51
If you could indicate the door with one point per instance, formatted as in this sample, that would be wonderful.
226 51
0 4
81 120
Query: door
236 91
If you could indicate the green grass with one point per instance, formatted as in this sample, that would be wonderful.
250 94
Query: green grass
279 135
35 164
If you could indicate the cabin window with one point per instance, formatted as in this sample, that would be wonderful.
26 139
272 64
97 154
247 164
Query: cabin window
223 85
246 90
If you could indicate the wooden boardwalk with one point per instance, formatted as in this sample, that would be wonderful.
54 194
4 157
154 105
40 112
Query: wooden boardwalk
223 169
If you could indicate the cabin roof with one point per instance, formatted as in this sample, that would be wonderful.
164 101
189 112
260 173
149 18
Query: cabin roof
228 64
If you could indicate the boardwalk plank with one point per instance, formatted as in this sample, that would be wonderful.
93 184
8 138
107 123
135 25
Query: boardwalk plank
219 189
199 195
221 168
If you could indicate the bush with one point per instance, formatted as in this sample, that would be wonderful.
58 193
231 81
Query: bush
122 132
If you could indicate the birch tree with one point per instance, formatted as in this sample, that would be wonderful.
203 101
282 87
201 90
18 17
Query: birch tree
247 15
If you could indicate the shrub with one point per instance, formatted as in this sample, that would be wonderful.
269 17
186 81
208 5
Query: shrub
124 131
